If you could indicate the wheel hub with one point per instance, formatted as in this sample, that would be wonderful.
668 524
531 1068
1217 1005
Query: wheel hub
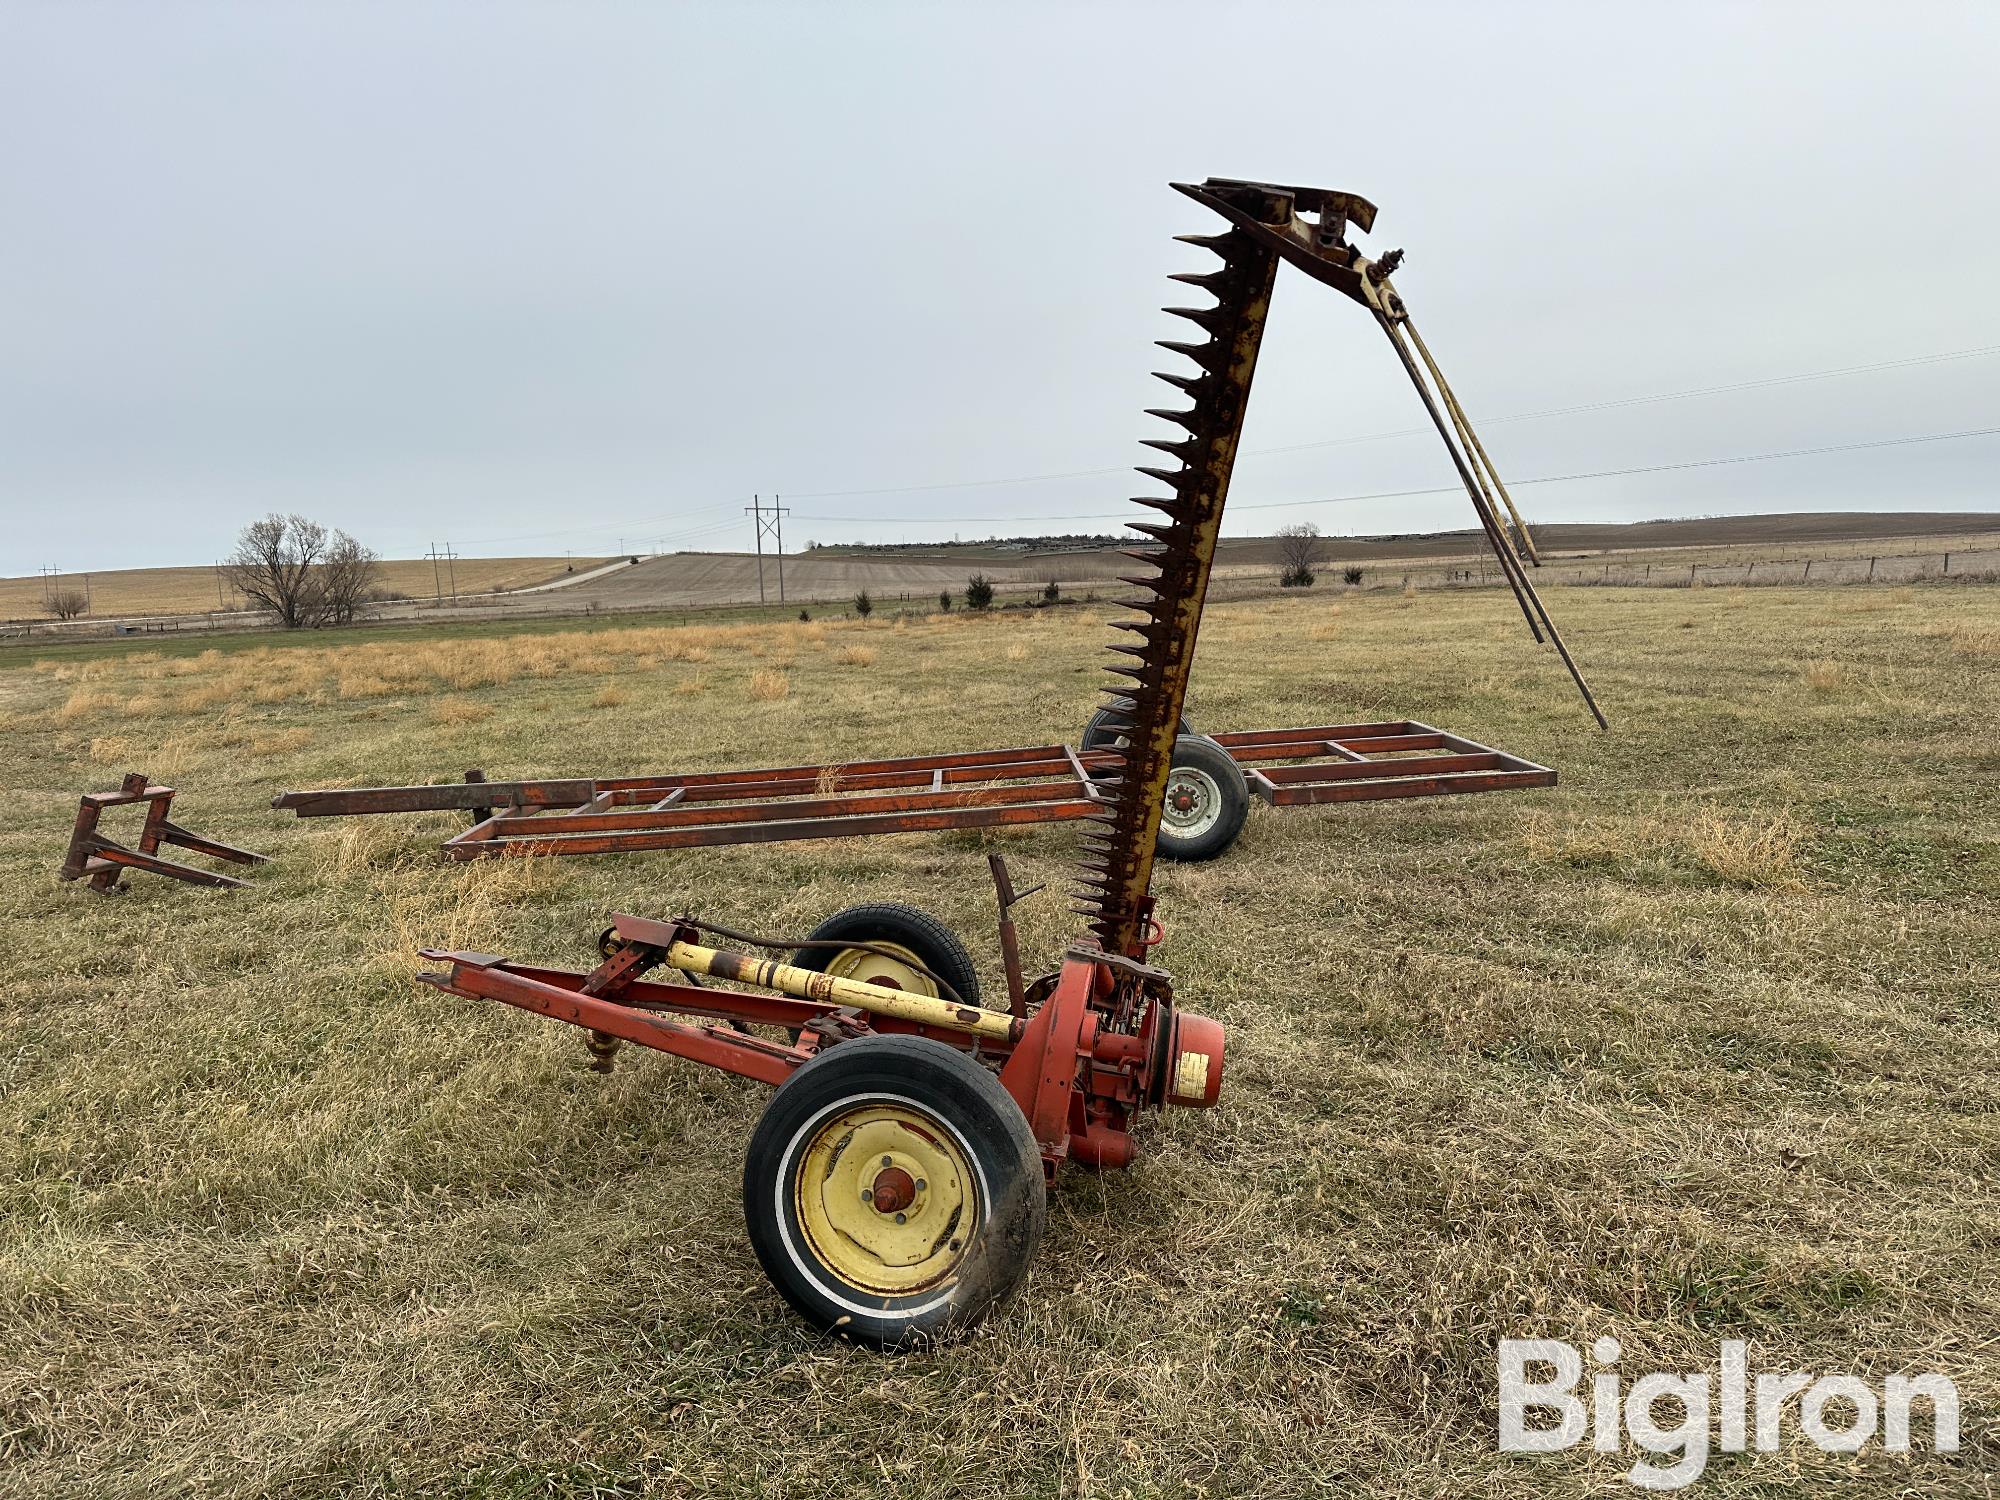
886 1198
895 967
1193 803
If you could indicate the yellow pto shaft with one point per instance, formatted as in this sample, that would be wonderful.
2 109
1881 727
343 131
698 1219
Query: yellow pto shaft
877 999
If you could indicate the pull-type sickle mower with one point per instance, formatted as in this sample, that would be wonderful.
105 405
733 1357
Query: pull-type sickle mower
894 1187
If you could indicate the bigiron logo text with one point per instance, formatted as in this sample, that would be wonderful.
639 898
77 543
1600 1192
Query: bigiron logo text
1745 1412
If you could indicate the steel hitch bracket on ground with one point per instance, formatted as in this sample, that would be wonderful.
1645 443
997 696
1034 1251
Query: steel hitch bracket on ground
103 861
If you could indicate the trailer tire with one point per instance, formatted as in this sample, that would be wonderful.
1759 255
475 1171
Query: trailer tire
934 1135
893 924
1103 731
1206 801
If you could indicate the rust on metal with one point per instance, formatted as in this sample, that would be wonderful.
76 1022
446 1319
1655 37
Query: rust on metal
1081 1050
102 861
998 788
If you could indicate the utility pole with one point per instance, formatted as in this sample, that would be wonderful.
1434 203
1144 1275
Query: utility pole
451 572
218 587
780 510
437 579
49 578
775 526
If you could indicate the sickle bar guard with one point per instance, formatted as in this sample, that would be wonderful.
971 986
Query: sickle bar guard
1265 226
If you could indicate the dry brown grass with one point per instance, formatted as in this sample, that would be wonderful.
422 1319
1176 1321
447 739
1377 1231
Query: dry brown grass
769 687
1701 1044
1825 676
855 656
611 696
459 710
174 591
281 741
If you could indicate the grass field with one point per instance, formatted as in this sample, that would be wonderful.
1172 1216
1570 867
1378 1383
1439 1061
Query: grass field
1702 1044
178 591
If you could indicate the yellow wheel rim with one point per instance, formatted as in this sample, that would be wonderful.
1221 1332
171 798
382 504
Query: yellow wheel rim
900 972
886 1198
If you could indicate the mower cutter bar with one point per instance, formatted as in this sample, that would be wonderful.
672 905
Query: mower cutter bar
983 789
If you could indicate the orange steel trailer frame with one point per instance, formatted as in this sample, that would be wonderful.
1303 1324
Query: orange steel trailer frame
983 789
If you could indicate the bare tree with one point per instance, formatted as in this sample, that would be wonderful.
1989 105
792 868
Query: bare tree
300 571
67 604
347 577
1299 554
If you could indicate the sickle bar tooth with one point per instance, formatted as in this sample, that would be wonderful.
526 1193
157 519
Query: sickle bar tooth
1209 356
1147 528
1180 448
1214 319
1206 280
1189 383
1213 242
1190 419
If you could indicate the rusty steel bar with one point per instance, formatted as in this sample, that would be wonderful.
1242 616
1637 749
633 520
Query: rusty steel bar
103 861
1004 788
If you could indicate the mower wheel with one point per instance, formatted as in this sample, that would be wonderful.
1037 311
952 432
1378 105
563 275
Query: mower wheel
1206 802
911 938
1106 730
893 1191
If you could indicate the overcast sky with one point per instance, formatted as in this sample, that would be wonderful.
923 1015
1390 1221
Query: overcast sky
536 278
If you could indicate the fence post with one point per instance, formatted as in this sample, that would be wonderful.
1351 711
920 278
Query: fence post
1947 565
1750 572
1807 575
1871 567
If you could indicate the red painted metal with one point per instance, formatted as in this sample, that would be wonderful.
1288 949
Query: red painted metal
103 861
983 789
1101 1046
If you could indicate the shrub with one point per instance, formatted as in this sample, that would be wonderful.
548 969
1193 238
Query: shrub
1050 593
944 601
1296 578
67 604
978 591
805 617
863 605
1350 575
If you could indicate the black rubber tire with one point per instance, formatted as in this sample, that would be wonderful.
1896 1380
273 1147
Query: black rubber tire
952 1090
1099 734
936 946
1220 778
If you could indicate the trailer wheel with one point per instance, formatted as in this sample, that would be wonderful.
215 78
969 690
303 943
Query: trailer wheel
912 936
893 1191
1206 802
1104 732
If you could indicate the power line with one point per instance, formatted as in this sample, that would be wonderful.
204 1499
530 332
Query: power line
1376 437
717 527
1453 489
